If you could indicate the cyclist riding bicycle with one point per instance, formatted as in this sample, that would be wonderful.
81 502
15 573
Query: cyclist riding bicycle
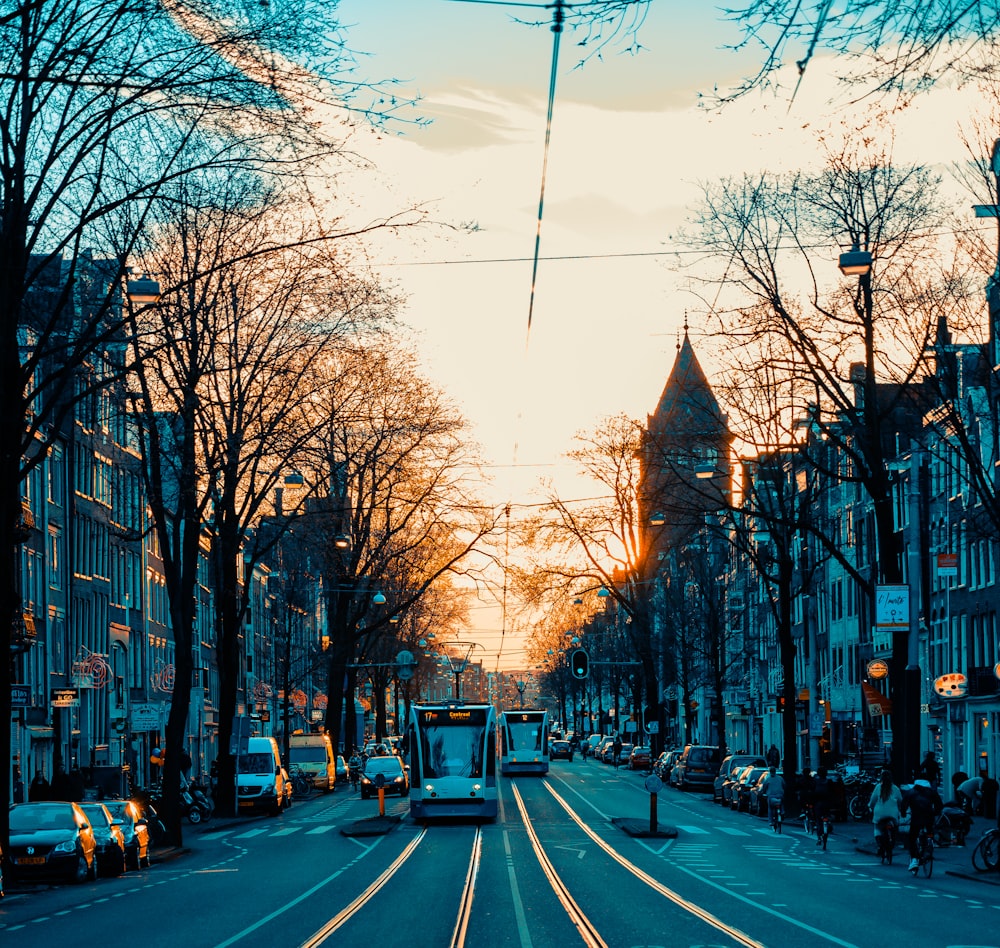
822 806
773 789
924 804
885 803
354 768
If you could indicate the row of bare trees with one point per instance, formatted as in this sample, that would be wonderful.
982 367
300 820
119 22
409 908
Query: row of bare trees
825 380
196 144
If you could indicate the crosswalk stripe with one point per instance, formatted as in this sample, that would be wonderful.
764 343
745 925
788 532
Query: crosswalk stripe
318 829
729 831
287 831
251 833
694 830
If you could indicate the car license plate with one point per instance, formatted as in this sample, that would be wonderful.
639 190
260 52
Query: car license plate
246 802
30 861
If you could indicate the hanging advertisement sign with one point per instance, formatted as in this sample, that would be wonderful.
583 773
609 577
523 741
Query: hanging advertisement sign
953 685
65 698
892 608
878 703
878 669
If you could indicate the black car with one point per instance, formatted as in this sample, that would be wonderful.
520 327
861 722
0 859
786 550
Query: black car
51 841
560 750
393 776
127 815
109 838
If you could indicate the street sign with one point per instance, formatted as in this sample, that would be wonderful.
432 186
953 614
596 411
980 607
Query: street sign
947 564
653 784
892 608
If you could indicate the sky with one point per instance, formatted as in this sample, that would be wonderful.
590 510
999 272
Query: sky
629 148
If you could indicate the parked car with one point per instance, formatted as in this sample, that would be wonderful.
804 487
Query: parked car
52 840
731 767
740 795
698 767
109 838
560 750
639 759
394 776
603 748
127 815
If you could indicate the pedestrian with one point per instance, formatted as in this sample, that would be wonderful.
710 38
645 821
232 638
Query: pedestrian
18 796
38 789
773 756
885 803
186 765
924 804
969 794
60 788
77 786
617 750
930 769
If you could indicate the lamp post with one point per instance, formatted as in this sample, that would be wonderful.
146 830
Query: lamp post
904 672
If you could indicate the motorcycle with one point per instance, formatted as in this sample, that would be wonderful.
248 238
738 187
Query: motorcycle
194 804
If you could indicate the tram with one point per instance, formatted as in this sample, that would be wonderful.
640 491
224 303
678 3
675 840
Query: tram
524 742
453 760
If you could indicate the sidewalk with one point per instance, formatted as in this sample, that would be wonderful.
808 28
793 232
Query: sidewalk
949 860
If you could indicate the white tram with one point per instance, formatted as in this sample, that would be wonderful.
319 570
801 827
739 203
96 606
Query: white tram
453 760
524 742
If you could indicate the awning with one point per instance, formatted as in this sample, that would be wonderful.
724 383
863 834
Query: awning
40 733
878 703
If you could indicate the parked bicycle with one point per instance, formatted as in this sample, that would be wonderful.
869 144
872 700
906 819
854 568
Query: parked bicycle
824 825
302 784
986 854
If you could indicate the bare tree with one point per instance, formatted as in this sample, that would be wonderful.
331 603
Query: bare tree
890 45
399 512
851 358
224 365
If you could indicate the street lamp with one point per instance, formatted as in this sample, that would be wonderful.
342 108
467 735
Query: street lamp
856 262
520 691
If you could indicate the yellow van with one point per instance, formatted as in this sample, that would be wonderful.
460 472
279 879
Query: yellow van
313 755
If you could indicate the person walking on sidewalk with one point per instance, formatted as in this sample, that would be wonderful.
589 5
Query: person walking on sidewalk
616 749
773 756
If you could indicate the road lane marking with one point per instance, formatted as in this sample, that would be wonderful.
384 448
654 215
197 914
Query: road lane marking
318 829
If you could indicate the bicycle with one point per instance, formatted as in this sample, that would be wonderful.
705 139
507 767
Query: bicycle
986 854
886 839
302 784
776 812
822 829
925 854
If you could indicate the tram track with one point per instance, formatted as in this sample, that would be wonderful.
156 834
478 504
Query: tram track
350 911
588 931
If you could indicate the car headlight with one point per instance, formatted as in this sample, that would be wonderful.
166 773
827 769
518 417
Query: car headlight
67 846
269 791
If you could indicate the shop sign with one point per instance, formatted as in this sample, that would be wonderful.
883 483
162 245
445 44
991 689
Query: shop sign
65 698
145 717
892 608
947 564
20 695
878 669
953 685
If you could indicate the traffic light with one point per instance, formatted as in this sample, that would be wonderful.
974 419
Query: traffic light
579 663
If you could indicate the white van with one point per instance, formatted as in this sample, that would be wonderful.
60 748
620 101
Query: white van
260 784
313 755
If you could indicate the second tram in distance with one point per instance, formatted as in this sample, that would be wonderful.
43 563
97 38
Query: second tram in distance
524 742
453 760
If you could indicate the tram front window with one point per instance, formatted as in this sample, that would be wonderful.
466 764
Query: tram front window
452 743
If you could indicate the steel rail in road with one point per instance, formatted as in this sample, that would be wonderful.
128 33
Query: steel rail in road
591 937
347 913
657 886
465 902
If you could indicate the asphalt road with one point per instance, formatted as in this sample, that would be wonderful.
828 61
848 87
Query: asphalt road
566 863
